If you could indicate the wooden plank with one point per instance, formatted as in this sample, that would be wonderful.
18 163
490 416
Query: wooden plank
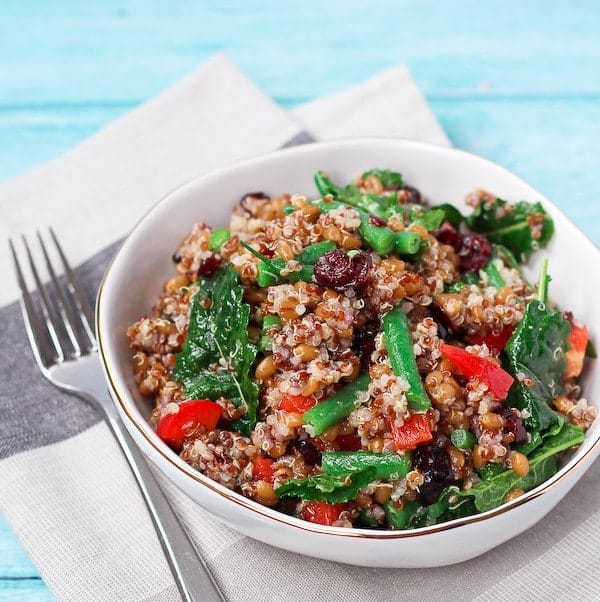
14 561
38 135
26 590
127 50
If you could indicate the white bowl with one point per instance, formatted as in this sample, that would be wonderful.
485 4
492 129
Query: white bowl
134 279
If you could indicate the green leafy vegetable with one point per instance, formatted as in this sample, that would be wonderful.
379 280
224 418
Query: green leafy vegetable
327 487
399 518
371 204
536 355
490 470
217 355
414 515
451 214
491 493
521 227
430 219
388 179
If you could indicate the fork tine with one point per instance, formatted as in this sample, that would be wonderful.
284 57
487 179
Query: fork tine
52 323
83 308
64 309
35 330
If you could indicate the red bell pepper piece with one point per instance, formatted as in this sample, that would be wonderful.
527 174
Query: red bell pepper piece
174 428
262 470
498 381
577 339
322 512
415 430
297 403
496 342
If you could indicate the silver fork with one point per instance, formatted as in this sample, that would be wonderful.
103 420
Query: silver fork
62 339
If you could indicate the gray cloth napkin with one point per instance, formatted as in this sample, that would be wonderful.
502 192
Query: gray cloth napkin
65 488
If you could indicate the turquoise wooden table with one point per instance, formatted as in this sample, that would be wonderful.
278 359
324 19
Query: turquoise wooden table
517 82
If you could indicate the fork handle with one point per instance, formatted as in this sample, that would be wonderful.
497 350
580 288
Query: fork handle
191 574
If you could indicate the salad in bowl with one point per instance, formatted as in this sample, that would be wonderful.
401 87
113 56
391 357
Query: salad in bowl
363 358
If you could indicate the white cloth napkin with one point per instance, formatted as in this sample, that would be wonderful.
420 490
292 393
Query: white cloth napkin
74 504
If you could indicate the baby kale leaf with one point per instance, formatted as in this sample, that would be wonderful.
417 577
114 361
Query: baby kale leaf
521 227
217 355
536 356
327 487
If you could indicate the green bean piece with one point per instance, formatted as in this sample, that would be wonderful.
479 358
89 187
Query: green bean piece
269 321
407 243
387 466
218 238
400 349
305 274
399 517
381 239
324 185
338 406
463 439
287 209
269 272
454 287
265 342
311 253
325 206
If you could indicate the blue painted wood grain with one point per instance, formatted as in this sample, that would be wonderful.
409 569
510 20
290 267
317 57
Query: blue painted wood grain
517 82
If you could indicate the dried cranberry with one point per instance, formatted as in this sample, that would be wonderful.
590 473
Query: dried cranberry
308 450
475 252
440 440
448 235
209 266
363 343
409 195
252 195
514 424
361 264
339 271
377 221
434 464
